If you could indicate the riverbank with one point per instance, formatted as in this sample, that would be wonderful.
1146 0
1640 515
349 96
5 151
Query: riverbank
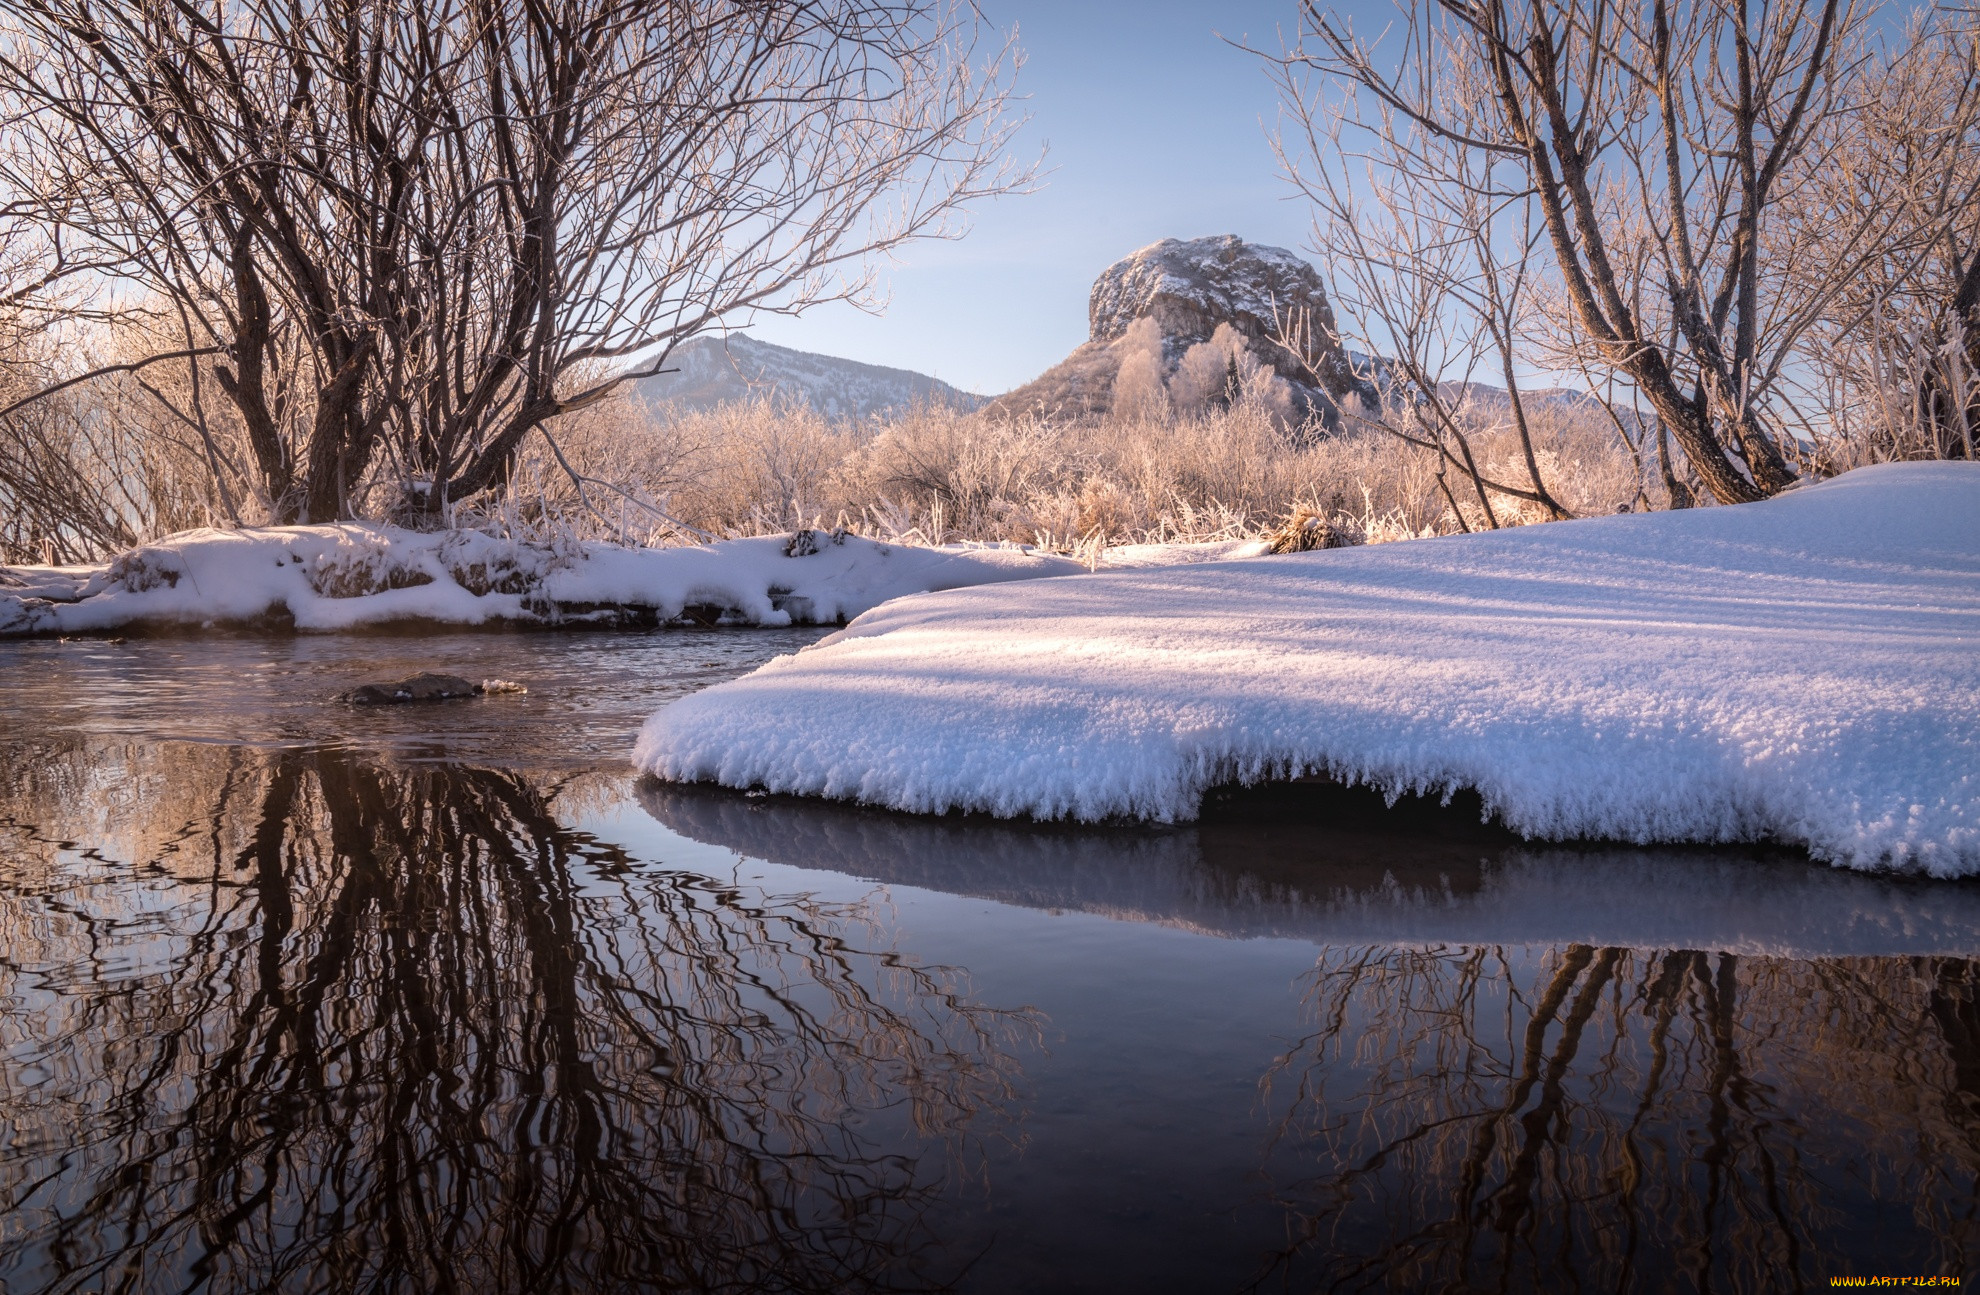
365 574
1801 670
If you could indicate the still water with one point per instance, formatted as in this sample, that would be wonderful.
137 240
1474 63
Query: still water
297 996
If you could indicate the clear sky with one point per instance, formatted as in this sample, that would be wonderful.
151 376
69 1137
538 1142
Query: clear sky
1156 128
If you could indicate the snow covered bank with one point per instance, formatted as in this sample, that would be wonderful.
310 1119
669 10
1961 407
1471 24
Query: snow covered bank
1806 669
360 573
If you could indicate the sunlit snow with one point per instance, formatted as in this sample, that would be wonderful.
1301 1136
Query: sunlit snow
1805 669
363 573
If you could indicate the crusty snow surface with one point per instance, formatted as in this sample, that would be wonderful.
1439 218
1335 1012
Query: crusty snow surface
362 573
1805 669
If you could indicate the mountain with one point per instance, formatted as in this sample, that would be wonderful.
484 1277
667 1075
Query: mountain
713 371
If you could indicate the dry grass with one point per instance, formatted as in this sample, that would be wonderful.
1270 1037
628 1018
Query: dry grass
936 476
931 475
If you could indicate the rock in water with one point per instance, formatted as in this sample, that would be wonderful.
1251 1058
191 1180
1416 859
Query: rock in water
421 687
1187 290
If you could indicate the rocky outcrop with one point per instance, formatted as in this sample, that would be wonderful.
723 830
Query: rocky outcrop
1189 288
1235 298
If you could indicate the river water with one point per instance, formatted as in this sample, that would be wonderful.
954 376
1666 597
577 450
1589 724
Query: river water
300 996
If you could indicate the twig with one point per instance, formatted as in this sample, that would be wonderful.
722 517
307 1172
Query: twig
578 479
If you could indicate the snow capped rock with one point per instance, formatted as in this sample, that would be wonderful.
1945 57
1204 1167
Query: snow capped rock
1191 287
1189 295
712 371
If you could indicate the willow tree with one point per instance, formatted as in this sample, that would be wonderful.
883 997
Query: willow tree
1656 142
392 241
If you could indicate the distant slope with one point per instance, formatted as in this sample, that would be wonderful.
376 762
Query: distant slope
713 371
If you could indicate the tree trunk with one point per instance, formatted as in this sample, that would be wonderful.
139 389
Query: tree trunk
1949 398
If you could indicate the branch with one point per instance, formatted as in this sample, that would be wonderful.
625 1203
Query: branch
579 480
108 369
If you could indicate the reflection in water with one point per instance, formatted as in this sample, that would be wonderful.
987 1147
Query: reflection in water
1516 1073
284 1015
347 1026
1611 1119
1334 866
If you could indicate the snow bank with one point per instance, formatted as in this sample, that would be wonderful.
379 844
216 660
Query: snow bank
355 574
1807 669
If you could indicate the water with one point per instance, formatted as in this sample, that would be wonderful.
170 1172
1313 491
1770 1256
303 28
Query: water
297 996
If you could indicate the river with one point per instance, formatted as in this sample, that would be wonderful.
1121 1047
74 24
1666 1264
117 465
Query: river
296 995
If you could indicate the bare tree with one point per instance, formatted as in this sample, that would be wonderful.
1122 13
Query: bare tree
1654 136
1899 347
401 238
1432 243
75 483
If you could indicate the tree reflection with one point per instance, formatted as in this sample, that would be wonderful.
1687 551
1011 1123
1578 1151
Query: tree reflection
1612 1119
404 1030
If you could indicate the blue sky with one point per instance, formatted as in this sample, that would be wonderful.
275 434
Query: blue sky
1156 129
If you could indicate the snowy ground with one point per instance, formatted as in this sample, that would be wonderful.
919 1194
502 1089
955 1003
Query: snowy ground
1806 669
359 573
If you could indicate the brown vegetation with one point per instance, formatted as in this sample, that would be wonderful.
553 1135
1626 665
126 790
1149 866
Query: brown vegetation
935 475
394 242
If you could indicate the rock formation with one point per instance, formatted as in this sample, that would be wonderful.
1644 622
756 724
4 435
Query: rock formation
1180 314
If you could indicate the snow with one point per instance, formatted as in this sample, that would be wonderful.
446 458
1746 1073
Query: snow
1121 557
359 573
1805 669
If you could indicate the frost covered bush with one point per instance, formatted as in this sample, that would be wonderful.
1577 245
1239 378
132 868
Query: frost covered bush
1139 391
90 472
1581 455
758 467
1224 371
1204 374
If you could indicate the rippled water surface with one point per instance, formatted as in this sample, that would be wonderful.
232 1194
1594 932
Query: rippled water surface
299 996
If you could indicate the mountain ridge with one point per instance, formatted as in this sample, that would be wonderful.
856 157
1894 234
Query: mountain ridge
716 369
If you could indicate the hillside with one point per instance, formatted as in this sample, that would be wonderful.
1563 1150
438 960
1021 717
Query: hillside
713 371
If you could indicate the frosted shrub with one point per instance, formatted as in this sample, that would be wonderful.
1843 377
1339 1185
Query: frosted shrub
1203 376
1581 456
1138 388
1225 370
760 467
